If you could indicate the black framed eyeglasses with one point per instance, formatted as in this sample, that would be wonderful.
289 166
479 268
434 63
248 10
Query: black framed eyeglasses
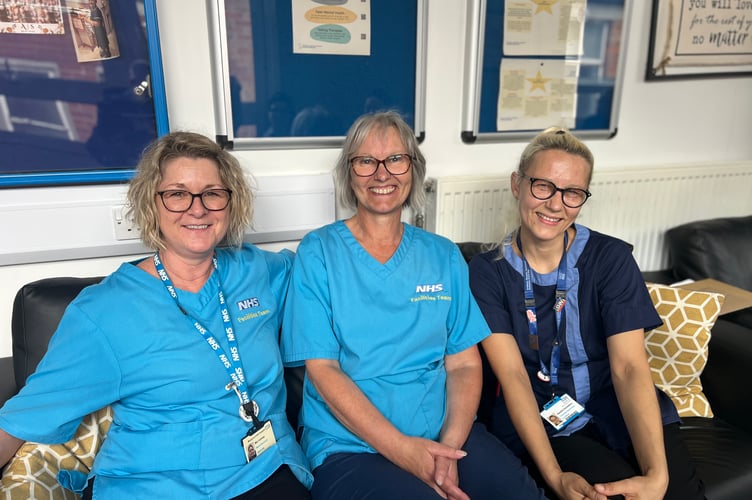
366 166
543 189
179 200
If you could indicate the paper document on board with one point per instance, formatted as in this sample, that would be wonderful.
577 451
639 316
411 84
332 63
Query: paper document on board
338 27
544 27
537 93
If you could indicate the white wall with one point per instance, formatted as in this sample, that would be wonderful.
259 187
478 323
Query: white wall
660 123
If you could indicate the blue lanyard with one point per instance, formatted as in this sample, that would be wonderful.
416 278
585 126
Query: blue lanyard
547 374
233 364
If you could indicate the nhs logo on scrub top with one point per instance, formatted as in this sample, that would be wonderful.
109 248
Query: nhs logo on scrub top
429 288
248 303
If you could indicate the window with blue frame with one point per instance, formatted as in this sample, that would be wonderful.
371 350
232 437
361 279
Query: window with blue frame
81 91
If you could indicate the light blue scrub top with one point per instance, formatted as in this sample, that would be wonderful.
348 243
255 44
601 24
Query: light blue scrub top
176 431
389 326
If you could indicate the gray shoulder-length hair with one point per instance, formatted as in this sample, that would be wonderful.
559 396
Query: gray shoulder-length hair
142 191
380 122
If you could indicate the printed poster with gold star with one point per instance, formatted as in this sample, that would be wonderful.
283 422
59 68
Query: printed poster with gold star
544 27
537 93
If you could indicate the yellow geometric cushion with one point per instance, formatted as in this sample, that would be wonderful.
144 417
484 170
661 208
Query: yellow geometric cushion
678 349
32 472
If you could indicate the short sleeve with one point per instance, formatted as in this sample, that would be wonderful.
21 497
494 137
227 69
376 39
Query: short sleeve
486 286
78 362
307 331
625 301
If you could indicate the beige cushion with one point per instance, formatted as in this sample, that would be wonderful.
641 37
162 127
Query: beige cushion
32 472
678 350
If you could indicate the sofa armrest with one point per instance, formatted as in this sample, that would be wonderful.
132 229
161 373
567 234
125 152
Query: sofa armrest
724 379
7 380
662 277
713 248
37 309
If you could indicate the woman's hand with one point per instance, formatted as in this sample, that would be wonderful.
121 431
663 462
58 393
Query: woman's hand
636 487
572 486
433 463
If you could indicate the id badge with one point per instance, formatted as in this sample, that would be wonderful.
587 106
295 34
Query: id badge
561 410
257 441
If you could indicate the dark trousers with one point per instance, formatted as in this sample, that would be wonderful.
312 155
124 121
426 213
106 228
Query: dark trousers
281 484
489 471
587 455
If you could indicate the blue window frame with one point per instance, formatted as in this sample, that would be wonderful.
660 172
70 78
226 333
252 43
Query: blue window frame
65 120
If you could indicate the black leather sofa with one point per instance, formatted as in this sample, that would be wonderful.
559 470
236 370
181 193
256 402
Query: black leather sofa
715 248
721 446
721 249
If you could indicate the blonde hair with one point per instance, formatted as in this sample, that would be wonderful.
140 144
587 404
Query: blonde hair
556 138
552 138
142 191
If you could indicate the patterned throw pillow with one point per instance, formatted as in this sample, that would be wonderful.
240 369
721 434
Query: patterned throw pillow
32 472
678 349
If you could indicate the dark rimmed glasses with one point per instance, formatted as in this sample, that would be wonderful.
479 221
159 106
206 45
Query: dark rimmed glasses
366 166
543 189
179 200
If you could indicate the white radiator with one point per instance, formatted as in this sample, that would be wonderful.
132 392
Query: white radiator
636 205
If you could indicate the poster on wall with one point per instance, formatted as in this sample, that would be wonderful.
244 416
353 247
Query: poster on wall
31 17
338 27
537 93
93 30
545 27
700 38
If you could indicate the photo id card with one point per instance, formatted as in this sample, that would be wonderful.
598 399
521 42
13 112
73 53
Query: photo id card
561 410
257 441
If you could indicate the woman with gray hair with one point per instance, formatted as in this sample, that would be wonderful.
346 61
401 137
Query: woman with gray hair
380 313
183 345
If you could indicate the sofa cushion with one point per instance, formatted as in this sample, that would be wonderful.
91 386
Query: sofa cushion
33 471
715 248
678 349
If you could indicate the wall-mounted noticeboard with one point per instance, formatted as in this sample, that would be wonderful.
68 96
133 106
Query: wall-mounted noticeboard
297 73
534 64
81 90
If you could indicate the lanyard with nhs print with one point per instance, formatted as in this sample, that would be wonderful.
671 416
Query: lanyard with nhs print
234 366
547 374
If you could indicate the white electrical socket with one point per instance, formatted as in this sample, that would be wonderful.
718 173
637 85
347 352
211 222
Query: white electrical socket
125 225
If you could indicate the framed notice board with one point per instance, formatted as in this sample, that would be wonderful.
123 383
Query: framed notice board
81 90
700 39
297 73
535 64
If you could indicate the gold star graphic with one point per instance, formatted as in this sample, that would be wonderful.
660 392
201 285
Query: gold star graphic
538 82
544 5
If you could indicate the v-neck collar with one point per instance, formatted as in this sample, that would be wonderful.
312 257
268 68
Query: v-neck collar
367 259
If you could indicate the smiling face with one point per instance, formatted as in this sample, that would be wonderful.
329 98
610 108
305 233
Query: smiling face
382 193
546 220
193 234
